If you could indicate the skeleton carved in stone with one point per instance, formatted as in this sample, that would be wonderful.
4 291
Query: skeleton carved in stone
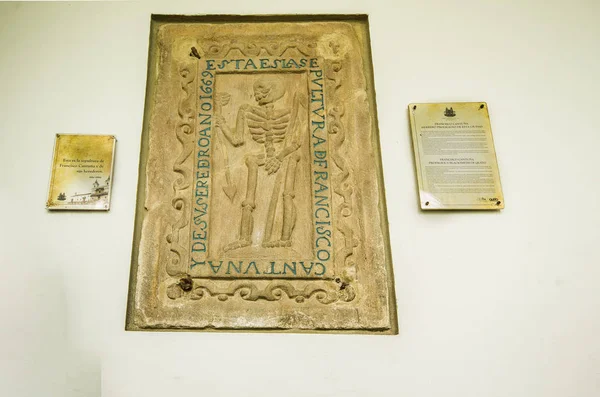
276 130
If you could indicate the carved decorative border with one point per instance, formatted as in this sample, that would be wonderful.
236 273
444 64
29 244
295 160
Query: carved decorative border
185 133
222 48
325 292
322 292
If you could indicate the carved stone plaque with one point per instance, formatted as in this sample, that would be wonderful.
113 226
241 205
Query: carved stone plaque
260 200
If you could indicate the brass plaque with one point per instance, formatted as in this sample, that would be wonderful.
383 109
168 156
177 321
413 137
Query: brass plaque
81 173
260 198
455 156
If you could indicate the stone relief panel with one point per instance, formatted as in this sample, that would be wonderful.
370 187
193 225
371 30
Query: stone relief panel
261 196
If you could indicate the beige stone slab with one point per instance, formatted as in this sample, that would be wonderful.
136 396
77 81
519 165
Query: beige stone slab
260 199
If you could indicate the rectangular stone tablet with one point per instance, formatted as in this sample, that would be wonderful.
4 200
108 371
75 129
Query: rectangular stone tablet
260 199
455 156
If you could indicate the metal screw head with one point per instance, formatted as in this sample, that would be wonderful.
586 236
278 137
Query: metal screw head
186 284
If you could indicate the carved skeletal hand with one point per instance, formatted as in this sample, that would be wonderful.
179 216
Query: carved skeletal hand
220 121
272 165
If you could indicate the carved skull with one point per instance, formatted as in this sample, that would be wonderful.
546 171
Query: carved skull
268 90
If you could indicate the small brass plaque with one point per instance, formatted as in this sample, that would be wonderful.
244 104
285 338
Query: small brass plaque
260 201
82 168
455 156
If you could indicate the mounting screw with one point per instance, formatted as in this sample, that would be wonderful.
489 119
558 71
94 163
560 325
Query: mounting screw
186 283
481 106
427 203
498 202
194 53
414 107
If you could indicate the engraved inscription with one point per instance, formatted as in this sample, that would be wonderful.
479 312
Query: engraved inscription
261 171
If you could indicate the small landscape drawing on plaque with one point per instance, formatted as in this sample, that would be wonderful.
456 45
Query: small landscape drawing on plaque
81 173
261 203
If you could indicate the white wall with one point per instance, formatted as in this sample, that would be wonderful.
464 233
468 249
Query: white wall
490 304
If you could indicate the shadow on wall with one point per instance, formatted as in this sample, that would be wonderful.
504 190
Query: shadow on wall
39 357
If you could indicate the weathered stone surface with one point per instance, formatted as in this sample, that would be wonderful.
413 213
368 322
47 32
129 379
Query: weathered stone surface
261 203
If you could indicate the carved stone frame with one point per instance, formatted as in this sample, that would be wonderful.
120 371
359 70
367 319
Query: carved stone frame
162 292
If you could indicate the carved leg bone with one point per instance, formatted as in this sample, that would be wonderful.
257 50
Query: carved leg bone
248 205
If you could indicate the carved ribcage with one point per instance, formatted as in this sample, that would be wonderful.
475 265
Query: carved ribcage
267 127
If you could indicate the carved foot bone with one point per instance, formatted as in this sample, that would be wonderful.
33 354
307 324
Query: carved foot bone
236 245
277 243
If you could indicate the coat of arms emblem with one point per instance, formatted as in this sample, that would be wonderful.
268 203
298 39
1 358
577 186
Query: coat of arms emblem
449 112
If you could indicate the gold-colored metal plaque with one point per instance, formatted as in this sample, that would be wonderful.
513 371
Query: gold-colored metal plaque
260 201
455 156
82 167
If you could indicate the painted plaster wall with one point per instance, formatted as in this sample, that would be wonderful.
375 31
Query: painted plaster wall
490 304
